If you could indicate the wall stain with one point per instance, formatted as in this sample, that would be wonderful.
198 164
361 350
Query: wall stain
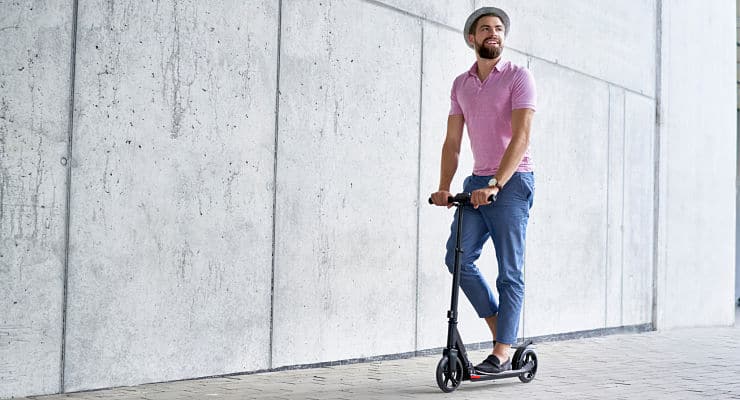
178 96
185 263
4 178
37 189
106 184
20 17
229 188
336 117
215 275
151 226
115 24
322 247
10 334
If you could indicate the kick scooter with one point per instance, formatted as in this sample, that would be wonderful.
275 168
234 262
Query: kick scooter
455 367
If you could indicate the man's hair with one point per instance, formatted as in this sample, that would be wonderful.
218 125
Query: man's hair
474 25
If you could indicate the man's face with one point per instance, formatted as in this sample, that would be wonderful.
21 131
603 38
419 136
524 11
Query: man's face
488 39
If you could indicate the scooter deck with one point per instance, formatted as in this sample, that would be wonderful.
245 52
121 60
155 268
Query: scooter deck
502 375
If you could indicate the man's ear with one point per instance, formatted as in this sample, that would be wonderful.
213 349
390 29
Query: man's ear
471 39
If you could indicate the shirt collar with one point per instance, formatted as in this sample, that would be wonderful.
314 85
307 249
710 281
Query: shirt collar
500 65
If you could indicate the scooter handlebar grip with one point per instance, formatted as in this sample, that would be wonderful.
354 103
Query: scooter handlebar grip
450 199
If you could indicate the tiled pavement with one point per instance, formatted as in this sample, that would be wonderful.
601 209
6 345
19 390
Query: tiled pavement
693 363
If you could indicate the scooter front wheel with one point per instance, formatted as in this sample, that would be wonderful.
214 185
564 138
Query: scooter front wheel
448 379
528 356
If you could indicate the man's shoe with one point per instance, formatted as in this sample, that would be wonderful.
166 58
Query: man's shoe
491 365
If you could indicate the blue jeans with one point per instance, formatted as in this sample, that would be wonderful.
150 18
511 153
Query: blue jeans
505 222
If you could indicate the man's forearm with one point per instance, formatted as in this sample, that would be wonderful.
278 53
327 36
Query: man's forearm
521 123
450 159
511 160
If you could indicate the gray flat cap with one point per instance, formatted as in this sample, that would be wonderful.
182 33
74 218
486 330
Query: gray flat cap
483 11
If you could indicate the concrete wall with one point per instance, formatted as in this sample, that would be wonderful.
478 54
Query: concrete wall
347 170
593 145
695 249
248 184
172 191
34 109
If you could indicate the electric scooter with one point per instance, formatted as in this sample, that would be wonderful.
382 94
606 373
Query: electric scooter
455 366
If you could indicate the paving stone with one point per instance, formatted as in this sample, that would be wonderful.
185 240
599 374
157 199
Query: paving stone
694 363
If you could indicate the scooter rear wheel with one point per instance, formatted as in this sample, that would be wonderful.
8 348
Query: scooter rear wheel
447 379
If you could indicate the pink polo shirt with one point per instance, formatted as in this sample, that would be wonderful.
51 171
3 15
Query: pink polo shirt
487 108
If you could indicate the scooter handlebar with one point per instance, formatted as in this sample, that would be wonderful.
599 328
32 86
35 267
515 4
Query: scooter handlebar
462 198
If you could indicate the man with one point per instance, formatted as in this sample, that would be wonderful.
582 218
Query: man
496 100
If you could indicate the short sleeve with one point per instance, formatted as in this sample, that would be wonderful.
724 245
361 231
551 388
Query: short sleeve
523 91
455 108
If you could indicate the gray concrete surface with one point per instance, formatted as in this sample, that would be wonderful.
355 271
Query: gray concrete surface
437 12
577 302
172 191
636 292
694 363
612 42
697 143
190 119
345 247
34 111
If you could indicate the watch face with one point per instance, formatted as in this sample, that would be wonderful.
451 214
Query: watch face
492 182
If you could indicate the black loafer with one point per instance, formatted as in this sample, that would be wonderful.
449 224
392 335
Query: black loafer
491 365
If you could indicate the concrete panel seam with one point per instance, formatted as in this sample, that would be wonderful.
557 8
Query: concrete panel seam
608 220
621 222
458 30
410 14
420 203
70 128
656 155
275 182
523 316
584 74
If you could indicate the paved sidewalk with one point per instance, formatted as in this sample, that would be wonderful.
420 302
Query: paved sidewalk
679 364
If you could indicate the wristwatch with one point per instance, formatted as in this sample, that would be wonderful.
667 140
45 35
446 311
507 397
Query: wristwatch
494 183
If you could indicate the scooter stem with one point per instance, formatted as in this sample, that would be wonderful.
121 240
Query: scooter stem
452 314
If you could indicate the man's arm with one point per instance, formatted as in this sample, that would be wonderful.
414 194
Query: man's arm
521 124
450 158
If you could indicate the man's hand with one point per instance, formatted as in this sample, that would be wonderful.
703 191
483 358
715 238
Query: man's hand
440 198
480 196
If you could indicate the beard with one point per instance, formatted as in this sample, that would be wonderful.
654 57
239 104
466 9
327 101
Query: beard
490 53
